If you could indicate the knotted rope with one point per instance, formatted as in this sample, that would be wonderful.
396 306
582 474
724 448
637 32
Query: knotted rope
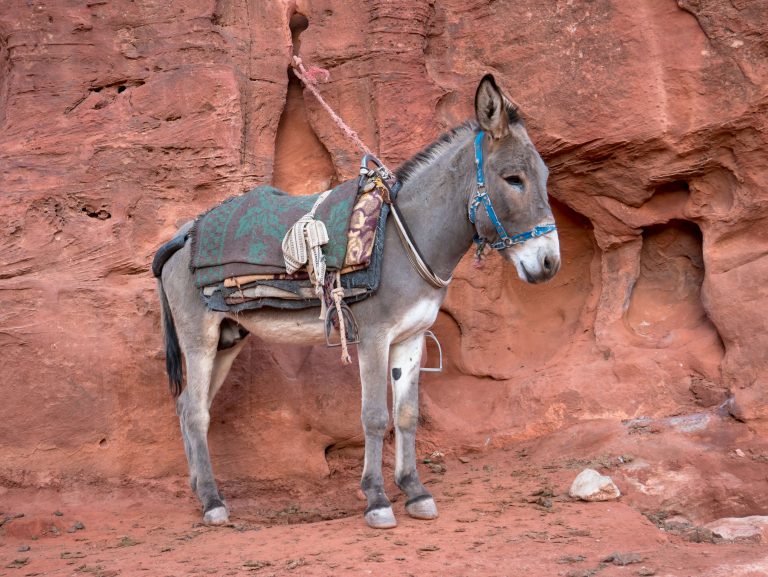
338 297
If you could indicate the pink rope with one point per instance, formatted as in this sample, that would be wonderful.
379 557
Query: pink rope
311 78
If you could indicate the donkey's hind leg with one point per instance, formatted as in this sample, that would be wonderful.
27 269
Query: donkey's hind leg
193 410
405 361
206 371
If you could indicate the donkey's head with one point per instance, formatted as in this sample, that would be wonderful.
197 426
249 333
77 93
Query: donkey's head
511 211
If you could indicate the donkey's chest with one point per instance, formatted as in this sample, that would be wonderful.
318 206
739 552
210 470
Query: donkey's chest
414 318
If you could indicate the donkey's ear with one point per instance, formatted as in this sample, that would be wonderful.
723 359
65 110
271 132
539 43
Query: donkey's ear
491 108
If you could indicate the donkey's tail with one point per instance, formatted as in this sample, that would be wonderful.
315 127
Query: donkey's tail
172 348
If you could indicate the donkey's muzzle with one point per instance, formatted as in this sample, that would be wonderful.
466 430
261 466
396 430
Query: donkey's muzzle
538 260
548 266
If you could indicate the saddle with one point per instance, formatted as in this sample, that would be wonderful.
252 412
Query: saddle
239 260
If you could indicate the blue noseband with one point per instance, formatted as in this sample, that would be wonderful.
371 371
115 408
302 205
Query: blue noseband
481 196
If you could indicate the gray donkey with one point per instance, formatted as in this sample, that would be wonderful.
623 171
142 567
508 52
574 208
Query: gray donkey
482 181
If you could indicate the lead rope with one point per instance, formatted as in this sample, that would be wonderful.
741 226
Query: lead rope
310 80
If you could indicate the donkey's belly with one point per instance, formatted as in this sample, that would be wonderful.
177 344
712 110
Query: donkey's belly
301 327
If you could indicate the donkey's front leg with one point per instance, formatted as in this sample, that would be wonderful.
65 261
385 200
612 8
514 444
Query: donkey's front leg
406 362
373 355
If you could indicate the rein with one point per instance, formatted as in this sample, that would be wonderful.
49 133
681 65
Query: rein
481 197
379 177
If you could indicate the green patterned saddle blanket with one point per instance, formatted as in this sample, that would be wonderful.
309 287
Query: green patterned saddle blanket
243 235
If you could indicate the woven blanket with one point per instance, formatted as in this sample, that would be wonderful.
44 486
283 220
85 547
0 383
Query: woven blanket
281 292
243 235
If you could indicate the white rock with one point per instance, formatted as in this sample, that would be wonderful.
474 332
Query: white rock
754 529
590 485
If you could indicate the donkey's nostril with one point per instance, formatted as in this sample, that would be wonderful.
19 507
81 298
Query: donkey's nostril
547 264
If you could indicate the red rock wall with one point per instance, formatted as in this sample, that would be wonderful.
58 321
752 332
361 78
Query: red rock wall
121 120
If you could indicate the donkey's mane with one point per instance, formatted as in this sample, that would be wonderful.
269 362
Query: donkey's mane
432 151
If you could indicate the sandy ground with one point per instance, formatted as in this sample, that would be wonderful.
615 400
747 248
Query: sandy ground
501 514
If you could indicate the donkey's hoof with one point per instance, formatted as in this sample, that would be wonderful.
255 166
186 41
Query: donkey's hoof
216 516
382 518
422 508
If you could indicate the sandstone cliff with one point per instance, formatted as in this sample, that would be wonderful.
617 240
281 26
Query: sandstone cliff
120 120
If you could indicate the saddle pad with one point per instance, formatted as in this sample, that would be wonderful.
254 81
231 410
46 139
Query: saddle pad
360 240
296 292
244 234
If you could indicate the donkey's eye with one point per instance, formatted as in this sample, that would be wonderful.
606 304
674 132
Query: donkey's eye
514 180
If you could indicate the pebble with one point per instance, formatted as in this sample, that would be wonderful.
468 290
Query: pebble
18 563
623 559
24 548
590 485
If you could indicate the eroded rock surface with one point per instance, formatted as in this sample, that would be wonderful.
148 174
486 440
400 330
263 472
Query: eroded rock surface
119 121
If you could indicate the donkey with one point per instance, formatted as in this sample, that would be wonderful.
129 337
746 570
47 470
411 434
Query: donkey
476 182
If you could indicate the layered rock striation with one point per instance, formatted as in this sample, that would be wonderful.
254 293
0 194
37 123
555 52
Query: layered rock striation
121 120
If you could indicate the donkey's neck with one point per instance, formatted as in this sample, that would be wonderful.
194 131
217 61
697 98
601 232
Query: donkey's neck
434 200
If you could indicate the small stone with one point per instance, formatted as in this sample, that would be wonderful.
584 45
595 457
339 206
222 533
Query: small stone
571 559
24 548
582 572
18 563
646 572
463 460
438 468
58 513
732 529
292 564
623 559
739 453
437 457
545 502
78 526
72 555
254 565
590 485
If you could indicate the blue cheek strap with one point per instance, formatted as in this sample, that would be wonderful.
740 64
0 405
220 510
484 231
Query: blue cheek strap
481 197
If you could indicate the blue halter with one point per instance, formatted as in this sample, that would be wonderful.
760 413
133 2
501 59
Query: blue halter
481 196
